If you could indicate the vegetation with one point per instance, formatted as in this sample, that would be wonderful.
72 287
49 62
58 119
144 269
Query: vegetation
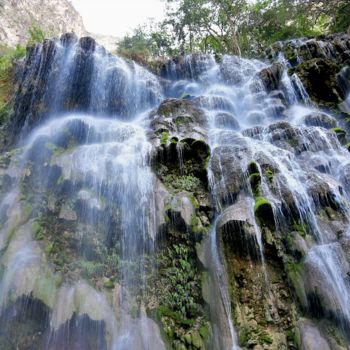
235 27
7 57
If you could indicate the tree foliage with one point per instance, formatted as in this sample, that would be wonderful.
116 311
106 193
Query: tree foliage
235 26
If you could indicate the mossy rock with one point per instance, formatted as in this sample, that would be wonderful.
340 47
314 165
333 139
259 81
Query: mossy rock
341 134
263 212
255 181
164 138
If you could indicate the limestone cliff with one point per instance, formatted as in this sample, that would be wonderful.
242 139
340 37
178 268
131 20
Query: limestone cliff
53 16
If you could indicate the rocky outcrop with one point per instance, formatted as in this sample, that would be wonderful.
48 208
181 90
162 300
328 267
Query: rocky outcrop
320 64
335 47
187 67
272 76
54 17
77 65
319 77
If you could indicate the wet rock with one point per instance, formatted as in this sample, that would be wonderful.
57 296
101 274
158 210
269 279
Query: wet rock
297 245
214 103
295 139
23 324
319 78
277 94
187 66
320 119
275 109
182 205
311 337
67 213
176 120
256 117
226 120
325 190
332 46
327 292
228 165
162 199
345 174
271 77
237 231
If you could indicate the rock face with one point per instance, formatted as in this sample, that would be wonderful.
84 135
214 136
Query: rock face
53 16
320 64
80 66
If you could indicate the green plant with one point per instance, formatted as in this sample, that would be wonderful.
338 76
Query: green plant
36 34
164 138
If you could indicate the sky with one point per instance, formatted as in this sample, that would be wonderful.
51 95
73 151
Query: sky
117 17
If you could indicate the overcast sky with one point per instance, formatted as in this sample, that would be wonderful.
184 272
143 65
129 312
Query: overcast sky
117 17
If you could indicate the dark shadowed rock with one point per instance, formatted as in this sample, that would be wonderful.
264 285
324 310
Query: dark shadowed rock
237 231
271 77
319 77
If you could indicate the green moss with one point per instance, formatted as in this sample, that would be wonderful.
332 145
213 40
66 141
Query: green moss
90 269
46 289
264 213
186 182
264 338
194 223
293 336
185 95
347 146
261 202
341 134
109 284
204 332
60 180
294 272
193 200
49 249
164 138
182 120
299 228
255 181
37 231
56 151
27 211
292 142
269 175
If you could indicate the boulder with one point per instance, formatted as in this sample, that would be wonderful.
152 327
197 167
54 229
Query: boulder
228 166
271 76
237 230
181 204
320 119
175 120
226 121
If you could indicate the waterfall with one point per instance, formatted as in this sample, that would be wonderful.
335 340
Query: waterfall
234 99
86 168
126 189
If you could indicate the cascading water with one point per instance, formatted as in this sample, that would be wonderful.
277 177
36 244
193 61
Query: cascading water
234 98
91 177
82 211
